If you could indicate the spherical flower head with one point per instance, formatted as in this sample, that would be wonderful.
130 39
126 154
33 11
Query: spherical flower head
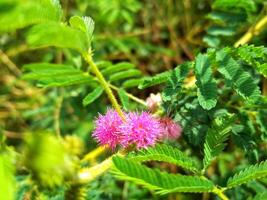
153 101
141 130
107 130
172 130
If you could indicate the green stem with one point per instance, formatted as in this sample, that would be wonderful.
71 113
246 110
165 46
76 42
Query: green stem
92 155
103 82
220 193
254 30
89 174
140 101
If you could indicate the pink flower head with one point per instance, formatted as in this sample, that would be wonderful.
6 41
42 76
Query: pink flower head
107 129
153 101
172 130
142 130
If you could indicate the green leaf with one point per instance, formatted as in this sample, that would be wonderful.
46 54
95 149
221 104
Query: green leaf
155 80
132 83
162 182
212 41
263 69
103 64
254 56
92 96
207 89
248 174
215 138
55 75
45 70
247 5
261 119
227 18
221 31
85 24
20 13
175 81
117 68
58 35
260 196
125 74
166 153
7 178
237 77
124 99
66 80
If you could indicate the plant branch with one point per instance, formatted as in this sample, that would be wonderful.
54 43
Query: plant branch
220 193
254 30
103 82
12 67
86 175
94 153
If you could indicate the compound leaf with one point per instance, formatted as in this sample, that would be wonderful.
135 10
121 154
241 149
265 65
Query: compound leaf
207 89
249 173
162 182
166 153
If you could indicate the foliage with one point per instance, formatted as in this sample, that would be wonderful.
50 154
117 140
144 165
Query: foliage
126 50
215 138
162 182
167 154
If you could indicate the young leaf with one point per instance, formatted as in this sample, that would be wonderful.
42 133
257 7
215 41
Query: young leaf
85 24
207 89
58 35
237 77
92 96
166 153
24 13
124 99
162 182
215 138
250 173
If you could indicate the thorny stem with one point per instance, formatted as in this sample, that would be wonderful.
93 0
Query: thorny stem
103 82
220 193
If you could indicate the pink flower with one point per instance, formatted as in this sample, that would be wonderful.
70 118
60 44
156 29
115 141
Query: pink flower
171 129
143 130
153 101
107 130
